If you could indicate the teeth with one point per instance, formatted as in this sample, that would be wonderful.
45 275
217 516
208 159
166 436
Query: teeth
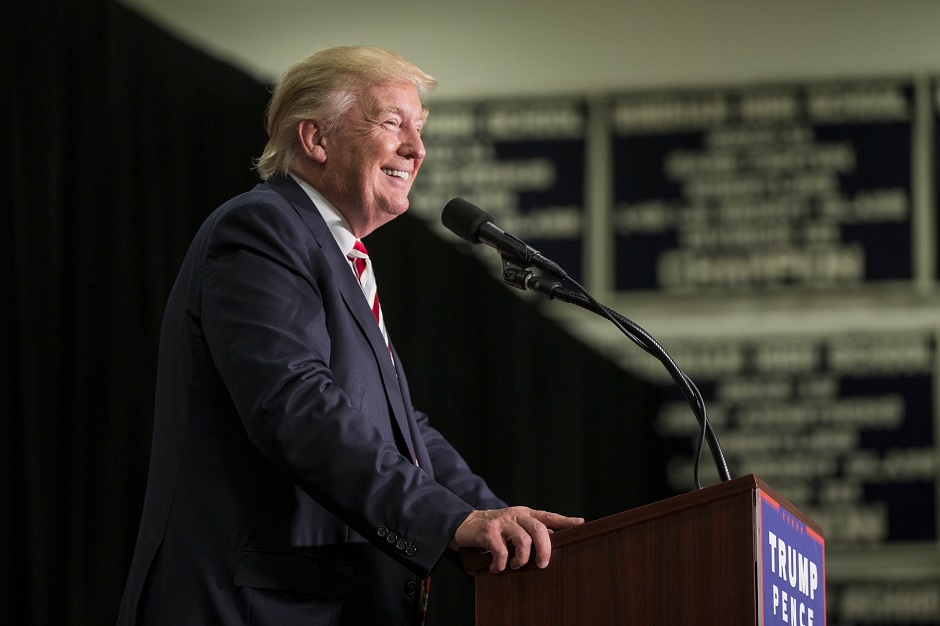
400 174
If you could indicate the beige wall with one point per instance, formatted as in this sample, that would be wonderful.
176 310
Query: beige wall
500 47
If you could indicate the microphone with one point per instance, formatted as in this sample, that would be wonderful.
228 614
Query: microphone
475 225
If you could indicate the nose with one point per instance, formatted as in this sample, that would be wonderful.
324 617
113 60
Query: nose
412 146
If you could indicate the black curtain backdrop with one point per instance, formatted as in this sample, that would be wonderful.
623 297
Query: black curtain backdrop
118 141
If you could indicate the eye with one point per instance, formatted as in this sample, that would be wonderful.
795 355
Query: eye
392 123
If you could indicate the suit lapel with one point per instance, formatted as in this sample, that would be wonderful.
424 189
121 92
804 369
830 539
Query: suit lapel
351 293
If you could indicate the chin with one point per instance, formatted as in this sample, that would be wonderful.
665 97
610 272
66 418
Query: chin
398 208
388 213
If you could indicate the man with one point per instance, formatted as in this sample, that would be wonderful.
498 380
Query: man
291 481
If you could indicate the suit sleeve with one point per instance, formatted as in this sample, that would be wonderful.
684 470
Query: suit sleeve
268 327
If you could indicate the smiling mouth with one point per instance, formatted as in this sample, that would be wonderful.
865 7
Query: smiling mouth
397 174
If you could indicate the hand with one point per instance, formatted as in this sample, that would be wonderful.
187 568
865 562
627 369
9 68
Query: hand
518 526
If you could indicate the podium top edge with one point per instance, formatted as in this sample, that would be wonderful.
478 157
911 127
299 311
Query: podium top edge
474 560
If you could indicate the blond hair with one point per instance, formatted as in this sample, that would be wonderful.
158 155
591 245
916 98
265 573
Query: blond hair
323 86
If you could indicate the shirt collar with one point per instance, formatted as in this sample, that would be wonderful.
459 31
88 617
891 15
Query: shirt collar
335 221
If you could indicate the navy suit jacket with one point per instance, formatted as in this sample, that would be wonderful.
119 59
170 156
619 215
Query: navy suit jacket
282 484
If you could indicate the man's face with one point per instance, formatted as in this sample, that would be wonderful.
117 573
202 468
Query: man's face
373 156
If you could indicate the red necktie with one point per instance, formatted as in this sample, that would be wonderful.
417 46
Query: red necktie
359 257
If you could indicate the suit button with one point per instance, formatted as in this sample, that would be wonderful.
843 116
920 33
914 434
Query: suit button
400 544
410 587
410 550
382 531
391 537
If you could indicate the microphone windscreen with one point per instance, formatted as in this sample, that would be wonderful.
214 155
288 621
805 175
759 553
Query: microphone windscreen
464 219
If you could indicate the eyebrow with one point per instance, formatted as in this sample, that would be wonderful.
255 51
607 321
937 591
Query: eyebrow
398 111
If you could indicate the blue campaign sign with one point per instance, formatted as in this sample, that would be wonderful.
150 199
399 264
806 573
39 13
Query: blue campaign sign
793 569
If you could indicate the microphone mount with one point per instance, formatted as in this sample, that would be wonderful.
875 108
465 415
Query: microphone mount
515 274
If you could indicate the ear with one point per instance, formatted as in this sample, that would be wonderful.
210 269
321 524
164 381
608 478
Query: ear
310 139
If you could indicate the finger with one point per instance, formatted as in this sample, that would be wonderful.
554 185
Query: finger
522 543
554 520
500 557
538 536
494 541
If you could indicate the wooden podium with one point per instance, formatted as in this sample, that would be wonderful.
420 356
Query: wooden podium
735 553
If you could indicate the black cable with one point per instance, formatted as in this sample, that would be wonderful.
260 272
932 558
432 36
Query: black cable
553 289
